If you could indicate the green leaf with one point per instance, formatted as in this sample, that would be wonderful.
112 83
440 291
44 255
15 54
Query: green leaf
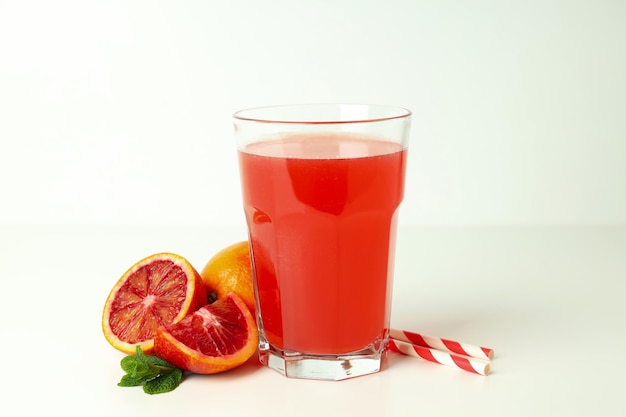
156 361
135 366
155 374
164 382
132 381
129 363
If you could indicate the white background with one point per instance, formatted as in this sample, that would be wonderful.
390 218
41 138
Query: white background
120 111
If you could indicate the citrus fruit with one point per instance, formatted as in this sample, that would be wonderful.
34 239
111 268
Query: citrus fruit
217 337
229 270
158 290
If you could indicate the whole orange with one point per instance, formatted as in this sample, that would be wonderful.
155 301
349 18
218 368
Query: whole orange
229 270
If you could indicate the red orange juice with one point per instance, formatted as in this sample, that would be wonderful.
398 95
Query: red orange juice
321 210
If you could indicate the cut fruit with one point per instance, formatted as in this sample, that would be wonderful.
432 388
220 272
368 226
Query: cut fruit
158 290
215 338
229 270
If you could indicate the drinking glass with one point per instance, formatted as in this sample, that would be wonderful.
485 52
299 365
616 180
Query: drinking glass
321 187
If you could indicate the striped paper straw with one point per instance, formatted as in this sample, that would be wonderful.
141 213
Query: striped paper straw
455 361
442 344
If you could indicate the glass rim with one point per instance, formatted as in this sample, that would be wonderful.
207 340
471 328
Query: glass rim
242 115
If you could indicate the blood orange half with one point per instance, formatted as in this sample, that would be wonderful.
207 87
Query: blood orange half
215 338
158 290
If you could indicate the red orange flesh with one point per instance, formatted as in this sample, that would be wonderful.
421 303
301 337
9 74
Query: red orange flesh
214 338
158 290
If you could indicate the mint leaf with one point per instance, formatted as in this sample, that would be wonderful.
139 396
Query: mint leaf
155 374
156 361
132 381
134 366
164 382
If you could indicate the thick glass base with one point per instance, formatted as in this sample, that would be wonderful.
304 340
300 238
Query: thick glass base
325 367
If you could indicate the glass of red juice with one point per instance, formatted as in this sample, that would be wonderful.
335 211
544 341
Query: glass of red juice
321 187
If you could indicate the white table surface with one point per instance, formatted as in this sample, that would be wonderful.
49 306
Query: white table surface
548 300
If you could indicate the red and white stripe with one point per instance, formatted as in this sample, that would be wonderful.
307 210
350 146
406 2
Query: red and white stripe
442 344
437 356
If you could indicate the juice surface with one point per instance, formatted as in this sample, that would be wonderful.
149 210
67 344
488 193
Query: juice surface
321 212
